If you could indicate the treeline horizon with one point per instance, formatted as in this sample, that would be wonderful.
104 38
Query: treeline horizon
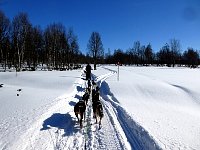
169 55
56 46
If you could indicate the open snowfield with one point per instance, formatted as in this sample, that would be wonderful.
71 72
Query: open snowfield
164 101
148 108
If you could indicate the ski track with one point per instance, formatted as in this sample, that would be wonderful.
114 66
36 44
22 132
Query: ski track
118 129
105 136
137 136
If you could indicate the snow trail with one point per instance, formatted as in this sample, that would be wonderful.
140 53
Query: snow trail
131 131
58 128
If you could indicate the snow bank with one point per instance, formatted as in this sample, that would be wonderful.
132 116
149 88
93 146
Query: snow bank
164 101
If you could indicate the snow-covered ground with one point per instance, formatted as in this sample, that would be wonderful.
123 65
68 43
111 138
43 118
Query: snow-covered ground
164 101
148 108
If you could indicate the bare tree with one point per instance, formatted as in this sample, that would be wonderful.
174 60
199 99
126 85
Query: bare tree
73 47
119 57
35 52
4 38
95 47
148 54
55 41
165 56
175 49
191 58
142 54
20 28
136 52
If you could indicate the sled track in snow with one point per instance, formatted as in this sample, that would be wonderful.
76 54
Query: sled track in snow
103 137
62 131
136 135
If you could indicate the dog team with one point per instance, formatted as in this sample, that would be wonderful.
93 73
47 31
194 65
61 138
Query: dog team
80 107
91 89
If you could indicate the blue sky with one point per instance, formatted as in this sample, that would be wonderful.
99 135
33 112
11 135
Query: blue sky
120 22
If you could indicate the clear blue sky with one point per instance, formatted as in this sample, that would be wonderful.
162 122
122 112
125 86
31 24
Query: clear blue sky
120 22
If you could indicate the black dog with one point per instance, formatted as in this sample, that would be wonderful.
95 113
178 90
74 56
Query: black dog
86 97
95 95
98 111
79 109
95 99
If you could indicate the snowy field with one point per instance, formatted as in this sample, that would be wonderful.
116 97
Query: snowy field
148 108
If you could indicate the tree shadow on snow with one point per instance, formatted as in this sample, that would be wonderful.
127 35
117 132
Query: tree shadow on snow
60 121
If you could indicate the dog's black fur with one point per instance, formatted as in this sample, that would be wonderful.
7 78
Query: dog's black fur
95 94
79 109
97 106
98 111
86 97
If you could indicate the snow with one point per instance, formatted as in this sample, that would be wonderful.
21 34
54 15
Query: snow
148 108
164 101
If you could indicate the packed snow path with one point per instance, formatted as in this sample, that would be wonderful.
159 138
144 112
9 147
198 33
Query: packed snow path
130 134
58 128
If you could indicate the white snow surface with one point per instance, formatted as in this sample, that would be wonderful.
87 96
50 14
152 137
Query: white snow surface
148 108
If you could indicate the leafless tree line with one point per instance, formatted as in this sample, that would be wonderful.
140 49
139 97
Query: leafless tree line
169 55
22 44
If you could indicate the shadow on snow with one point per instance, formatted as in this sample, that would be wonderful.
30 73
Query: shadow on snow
80 89
78 97
105 90
72 103
60 121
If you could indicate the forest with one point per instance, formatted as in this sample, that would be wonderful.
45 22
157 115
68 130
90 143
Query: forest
24 46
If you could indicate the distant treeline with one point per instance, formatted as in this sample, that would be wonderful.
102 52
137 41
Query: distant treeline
169 55
22 44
